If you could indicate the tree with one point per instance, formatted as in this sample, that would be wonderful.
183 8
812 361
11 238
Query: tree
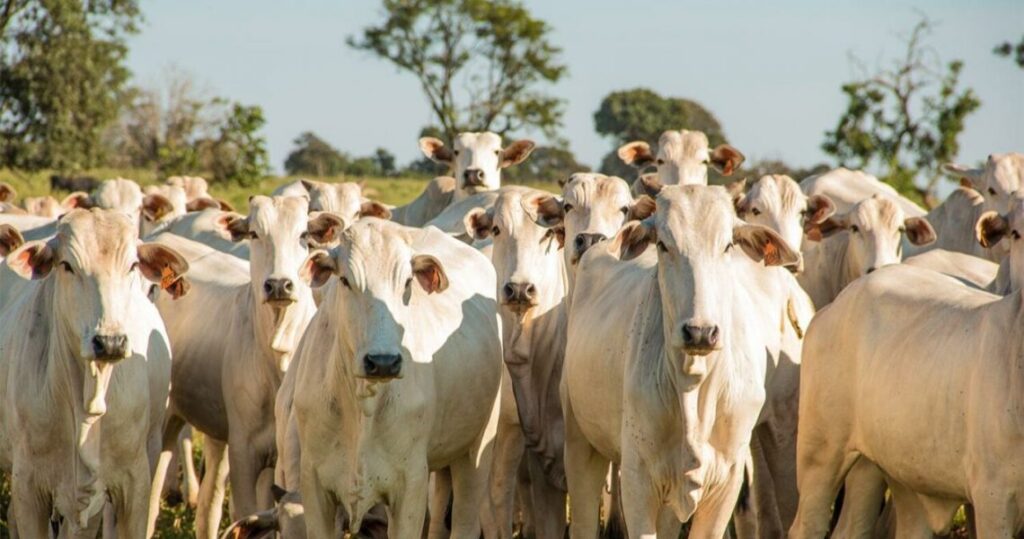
314 156
239 154
494 49
1008 49
641 114
546 164
62 73
893 122
385 162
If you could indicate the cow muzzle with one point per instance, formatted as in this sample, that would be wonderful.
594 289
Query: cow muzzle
519 297
382 366
473 178
110 348
279 292
700 340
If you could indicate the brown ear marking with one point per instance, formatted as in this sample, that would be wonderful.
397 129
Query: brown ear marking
516 153
372 208
636 154
549 210
642 208
919 231
726 159
990 229
429 273
202 203
7 193
10 239
635 237
33 260
318 268
324 227
435 150
478 223
819 208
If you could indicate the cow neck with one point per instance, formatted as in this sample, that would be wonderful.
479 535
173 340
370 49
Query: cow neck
278 329
539 323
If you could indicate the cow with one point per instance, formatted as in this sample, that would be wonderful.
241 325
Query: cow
624 401
407 397
85 363
476 160
193 186
531 285
160 204
953 221
847 187
997 181
909 359
227 374
994 229
344 199
776 201
683 158
856 242
44 206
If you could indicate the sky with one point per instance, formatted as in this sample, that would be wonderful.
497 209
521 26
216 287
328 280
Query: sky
770 71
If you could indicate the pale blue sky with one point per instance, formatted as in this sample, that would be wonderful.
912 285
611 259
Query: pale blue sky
769 70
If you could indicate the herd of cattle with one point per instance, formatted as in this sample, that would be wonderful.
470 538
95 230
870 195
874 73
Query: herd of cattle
493 358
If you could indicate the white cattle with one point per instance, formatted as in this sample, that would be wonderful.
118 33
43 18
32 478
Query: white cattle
997 181
918 377
207 227
968 269
45 206
344 199
193 186
476 160
85 366
682 159
953 221
647 392
848 187
859 241
116 194
409 396
1005 230
227 373
160 204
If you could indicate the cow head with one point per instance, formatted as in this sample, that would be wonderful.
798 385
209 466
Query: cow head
993 228
596 206
683 157
95 263
524 225
380 279
776 201
874 230
476 159
46 206
1001 177
161 204
343 199
193 186
121 195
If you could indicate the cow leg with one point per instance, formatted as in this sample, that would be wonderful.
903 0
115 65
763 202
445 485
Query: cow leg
212 488
641 503
996 513
469 486
440 496
615 522
32 510
770 481
172 426
409 510
668 525
911 519
130 503
748 515
508 452
548 502
246 466
821 468
319 509
585 472
711 519
865 493
189 479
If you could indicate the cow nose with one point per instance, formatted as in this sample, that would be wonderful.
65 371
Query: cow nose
586 241
474 177
520 293
382 366
700 338
871 269
279 290
110 347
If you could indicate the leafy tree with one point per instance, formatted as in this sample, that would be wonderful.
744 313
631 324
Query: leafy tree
240 154
894 122
385 162
1008 49
494 49
62 73
314 156
546 164
641 114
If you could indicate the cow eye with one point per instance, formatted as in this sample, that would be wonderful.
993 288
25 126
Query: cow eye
566 207
495 231
408 283
991 190
662 248
624 210
728 247
854 228
67 267
755 211
344 281
456 152
660 162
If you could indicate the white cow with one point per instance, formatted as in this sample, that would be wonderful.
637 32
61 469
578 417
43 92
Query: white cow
193 186
953 222
997 181
848 187
44 206
344 199
682 159
227 373
857 242
1004 231
85 365
409 396
476 160
651 399
918 377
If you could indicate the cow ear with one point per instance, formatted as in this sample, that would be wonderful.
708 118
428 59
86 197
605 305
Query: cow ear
318 267
762 243
234 226
726 159
642 208
78 199
478 223
155 206
224 205
429 273
258 526
202 203
636 154
308 185
990 229
435 150
563 181
919 231
826 228
819 208
549 211
634 238
737 192
324 227
7 193
164 266
648 184
516 153
10 239
33 260
969 177
372 208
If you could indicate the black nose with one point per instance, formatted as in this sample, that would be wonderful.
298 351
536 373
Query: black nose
521 293
700 337
110 347
586 241
382 365
474 177
279 289
871 270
